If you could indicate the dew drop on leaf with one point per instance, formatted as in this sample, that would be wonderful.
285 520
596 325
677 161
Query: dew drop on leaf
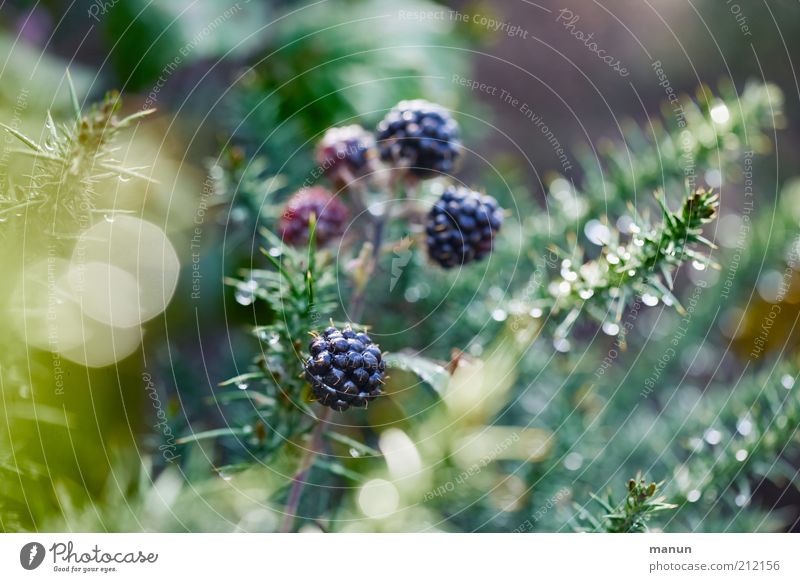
610 328
649 300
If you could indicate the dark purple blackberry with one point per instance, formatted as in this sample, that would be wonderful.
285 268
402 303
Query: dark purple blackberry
346 152
421 136
330 212
345 368
461 227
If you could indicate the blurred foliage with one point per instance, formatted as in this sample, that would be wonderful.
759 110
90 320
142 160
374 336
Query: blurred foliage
322 67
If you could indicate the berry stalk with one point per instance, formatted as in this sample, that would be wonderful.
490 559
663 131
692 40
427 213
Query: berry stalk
299 480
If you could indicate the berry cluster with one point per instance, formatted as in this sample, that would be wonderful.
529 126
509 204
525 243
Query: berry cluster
417 140
461 227
330 213
421 136
345 368
417 137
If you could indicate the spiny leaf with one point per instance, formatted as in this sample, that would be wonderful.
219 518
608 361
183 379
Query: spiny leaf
73 96
23 138
215 433
352 443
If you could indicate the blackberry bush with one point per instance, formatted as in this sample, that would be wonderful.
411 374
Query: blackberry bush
636 260
345 368
330 213
421 136
462 226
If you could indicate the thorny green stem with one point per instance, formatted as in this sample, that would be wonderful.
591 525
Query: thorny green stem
354 314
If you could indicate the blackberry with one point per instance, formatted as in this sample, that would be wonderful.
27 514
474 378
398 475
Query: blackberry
461 227
330 212
345 368
346 152
420 135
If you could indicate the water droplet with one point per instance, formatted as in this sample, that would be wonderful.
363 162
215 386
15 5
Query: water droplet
268 336
536 313
649 300
744 426
720 113
108 217
610 328
585 293
275 252
597 232
698 265
354 453
573 462
787 381
712 436
562 345
245 292
741 500
242 385
693 496
411 295
123 179
741 455
499 315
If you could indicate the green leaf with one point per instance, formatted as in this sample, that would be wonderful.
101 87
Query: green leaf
73 97
340 470
312 266
365 450
23 138
431 373
135 117
129 172
259 398
213 434
241 378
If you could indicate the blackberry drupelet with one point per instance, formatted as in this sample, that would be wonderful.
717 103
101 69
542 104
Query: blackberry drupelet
345 368
330 212
461 227
346 152
420 135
